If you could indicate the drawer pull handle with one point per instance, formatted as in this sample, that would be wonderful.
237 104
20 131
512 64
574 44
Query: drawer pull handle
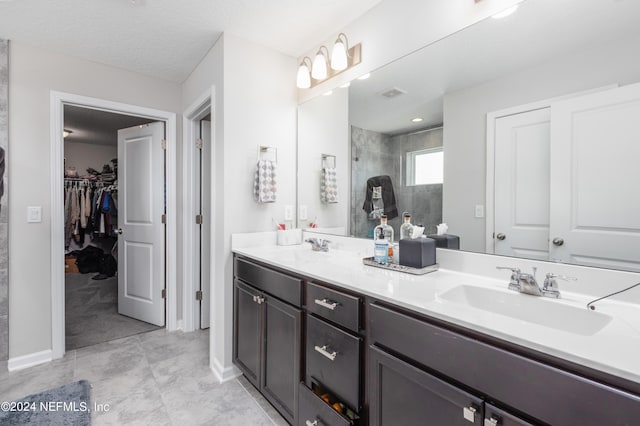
469 414
312 423
323 351
326 303
493 421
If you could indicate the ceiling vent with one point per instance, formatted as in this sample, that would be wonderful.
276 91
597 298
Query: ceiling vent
392 92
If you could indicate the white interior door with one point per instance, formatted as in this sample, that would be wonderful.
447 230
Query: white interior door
595 159
141 263
522 185
205 228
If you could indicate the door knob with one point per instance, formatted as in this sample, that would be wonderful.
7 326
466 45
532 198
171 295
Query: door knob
557 241
501 236
120 231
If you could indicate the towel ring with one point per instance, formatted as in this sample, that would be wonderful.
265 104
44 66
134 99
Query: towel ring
325 157
263 149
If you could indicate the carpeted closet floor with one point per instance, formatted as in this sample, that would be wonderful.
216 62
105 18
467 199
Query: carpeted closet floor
91 312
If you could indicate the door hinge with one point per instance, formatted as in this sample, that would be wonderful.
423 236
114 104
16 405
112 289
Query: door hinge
164 144
198 219
164 293
164 218
199 143
199 295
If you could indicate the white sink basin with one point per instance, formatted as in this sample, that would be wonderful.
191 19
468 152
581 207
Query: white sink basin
529 309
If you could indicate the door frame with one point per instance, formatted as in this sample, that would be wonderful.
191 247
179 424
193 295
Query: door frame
57 102
492 117
203 105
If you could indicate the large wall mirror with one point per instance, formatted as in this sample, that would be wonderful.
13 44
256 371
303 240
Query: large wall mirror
526 145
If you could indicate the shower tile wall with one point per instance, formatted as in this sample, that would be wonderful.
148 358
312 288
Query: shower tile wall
4 238
374 154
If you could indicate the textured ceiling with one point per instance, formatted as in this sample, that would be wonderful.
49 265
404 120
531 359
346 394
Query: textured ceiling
168 38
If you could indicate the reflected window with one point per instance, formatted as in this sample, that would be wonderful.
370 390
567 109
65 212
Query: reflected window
425 167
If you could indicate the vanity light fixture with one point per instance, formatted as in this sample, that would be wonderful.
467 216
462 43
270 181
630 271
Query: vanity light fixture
319 69
311 73
304 79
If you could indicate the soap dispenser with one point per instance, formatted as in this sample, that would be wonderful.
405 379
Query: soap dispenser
381 248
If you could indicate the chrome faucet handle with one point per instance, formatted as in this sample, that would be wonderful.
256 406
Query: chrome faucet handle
551 288
514 281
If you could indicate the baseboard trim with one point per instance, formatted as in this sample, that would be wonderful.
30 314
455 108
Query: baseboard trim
180 325
224 374
29 360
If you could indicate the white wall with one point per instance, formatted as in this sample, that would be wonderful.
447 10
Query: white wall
323 128
84 155
255 105
33 74
395 28
465 122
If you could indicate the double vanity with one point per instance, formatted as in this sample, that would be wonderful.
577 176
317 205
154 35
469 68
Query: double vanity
330 341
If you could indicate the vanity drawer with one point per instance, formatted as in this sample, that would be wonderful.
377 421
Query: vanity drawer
277 284
337 307
312 410
529 385
333 360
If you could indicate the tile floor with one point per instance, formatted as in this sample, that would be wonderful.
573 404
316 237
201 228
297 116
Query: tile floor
155 378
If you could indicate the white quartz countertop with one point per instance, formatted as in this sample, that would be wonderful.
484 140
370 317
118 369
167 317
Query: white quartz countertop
607 339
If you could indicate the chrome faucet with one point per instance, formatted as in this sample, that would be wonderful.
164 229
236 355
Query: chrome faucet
527 284
318 244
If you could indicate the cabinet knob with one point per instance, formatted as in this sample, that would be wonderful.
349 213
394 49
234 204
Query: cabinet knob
493 421
469 414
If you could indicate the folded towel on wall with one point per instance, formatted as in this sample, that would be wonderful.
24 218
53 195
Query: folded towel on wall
264 182
388 196
328 185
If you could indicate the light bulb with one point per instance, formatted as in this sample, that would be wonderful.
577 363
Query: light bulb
339 56
303 80
319 68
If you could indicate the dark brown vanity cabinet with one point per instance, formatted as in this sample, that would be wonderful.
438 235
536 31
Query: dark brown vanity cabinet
267 333
333 357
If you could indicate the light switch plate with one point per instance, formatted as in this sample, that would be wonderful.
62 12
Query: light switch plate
479 210
288 212
303 212
34 214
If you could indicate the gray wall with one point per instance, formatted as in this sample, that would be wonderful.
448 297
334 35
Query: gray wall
374 154
4 241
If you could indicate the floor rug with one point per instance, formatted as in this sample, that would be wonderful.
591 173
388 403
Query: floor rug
68 405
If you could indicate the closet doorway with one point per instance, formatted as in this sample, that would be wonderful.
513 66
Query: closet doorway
112 244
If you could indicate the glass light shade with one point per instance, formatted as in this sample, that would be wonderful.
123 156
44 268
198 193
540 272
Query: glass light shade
339 56
303 80
319 68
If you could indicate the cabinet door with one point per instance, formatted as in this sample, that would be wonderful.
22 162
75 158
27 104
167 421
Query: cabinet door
281 352
401 394
493 416
247 331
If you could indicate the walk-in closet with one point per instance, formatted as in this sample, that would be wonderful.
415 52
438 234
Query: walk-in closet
91 227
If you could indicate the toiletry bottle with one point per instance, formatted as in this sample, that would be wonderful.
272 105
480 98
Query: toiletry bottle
381 248
406 227
386 229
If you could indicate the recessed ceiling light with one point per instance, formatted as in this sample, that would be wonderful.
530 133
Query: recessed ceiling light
347 84
416 120
505 12
329 93
364 76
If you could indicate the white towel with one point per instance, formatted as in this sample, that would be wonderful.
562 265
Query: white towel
328 185
264 182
